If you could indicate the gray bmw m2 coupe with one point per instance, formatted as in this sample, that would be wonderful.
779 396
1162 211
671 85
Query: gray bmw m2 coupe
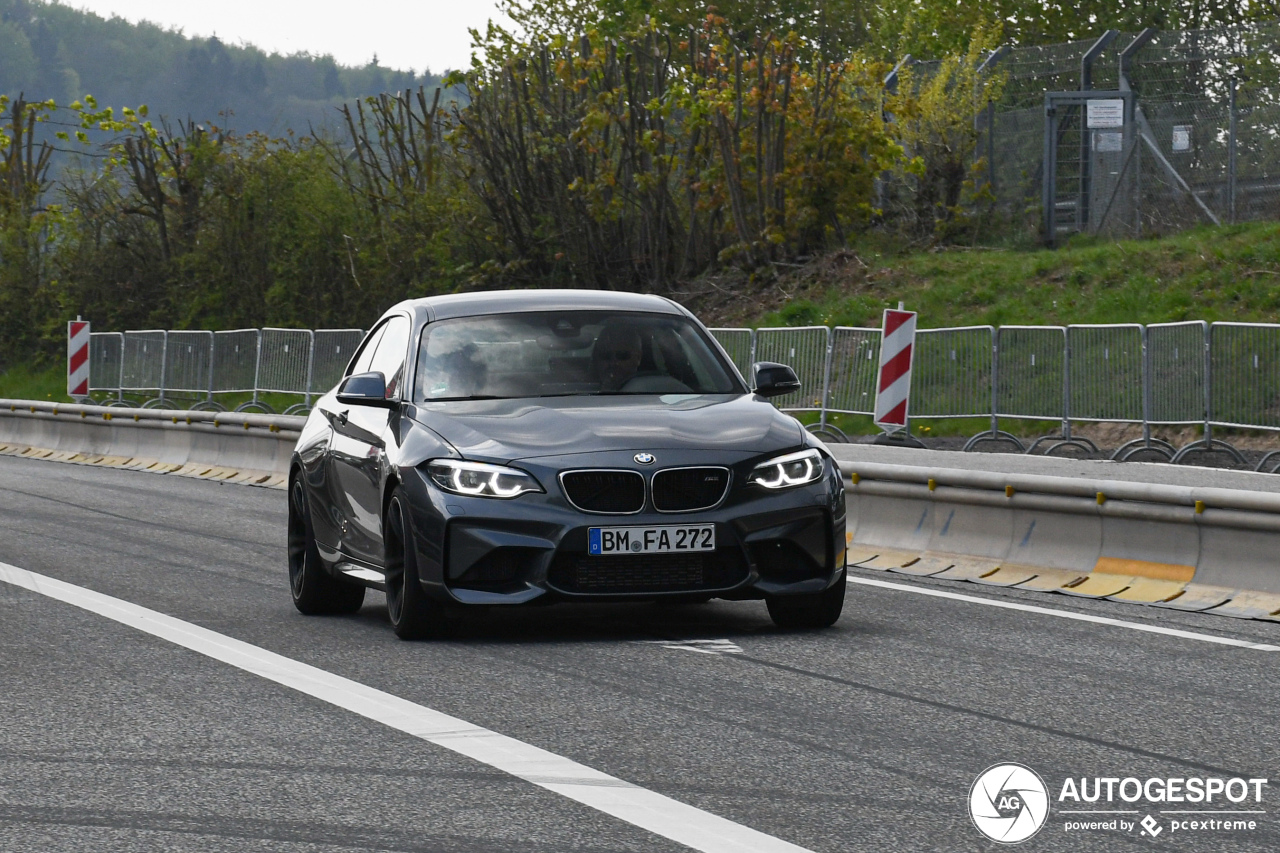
507 448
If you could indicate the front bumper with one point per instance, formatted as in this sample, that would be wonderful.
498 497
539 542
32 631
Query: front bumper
534 548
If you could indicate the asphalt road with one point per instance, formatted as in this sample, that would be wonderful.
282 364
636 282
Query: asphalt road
867 736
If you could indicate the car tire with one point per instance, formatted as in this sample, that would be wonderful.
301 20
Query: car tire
314 591
808 612
413 615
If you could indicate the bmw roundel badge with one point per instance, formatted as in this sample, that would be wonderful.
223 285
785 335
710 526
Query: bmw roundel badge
644 458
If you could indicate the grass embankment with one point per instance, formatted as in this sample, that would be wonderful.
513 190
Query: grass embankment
1228 273
21 382
50 383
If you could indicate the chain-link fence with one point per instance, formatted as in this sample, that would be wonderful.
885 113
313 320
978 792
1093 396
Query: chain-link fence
1199 144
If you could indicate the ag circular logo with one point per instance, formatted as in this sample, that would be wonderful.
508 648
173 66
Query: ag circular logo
1008 803
644 458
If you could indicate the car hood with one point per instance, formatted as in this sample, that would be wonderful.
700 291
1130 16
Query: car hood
507 430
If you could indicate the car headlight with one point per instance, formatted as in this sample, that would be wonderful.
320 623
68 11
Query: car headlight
479 479
783 472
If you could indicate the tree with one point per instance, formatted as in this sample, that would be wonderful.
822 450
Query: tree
24 224
18 66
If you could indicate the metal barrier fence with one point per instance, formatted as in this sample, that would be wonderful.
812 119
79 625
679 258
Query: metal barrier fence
189 363
143 364
855 359
739 345
806 350
235 362
1189 373
199 367
106 361
1105 372
330 353
951 374
1164 374
284 365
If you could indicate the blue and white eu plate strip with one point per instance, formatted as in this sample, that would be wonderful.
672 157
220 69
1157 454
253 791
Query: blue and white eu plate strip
638 806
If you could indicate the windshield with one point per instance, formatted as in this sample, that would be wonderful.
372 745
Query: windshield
564 353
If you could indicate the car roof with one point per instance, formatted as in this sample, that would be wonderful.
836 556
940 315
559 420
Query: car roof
514 301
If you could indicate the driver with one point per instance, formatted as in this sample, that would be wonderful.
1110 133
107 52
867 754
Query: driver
616 356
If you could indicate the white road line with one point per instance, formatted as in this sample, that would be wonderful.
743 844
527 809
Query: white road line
1067 614
706 647
646 809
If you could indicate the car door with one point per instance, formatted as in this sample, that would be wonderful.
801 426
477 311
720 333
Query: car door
358 451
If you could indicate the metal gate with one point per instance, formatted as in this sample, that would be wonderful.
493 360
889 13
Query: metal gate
1088 136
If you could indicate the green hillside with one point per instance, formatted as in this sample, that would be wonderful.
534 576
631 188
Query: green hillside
53 51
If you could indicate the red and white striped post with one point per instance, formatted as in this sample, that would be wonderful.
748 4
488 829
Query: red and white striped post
893 388
77 358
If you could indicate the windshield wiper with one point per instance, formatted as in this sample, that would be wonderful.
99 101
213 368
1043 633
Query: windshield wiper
465 399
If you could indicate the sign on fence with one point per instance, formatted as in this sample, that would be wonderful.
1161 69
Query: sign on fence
1104 112
77 358
897 342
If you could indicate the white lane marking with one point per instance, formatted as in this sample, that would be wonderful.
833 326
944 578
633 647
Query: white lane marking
1066 614
706 647
646 809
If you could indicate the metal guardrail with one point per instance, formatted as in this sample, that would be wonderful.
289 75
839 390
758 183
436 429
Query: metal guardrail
1164 374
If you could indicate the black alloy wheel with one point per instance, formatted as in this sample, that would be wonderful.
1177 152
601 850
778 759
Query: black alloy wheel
808 612
413 614
314 591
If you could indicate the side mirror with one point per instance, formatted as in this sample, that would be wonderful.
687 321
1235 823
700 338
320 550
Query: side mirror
365 389
774 380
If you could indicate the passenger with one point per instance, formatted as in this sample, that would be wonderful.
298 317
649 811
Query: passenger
615 357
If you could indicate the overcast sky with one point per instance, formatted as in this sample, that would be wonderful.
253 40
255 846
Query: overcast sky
417 34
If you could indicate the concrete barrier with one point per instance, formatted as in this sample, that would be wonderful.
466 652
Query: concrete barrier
231 446
1209 549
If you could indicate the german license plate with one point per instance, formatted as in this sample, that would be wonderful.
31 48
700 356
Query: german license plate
606 541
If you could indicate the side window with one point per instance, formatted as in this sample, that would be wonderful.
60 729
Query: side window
365 358
390 354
